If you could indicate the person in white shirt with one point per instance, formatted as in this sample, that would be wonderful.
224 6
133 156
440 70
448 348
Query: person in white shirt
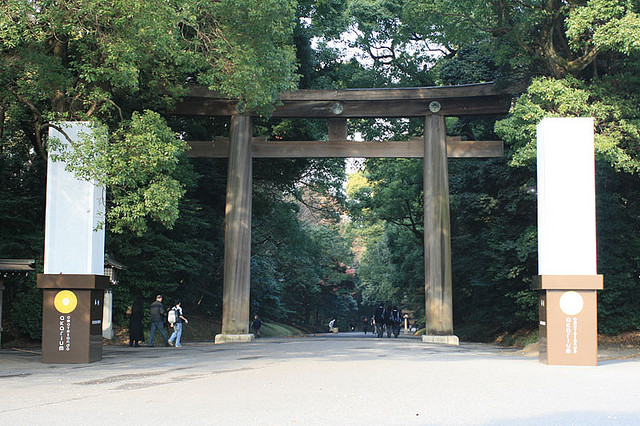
177 326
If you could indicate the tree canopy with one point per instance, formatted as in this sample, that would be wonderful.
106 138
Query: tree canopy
116 62
320 248
561 59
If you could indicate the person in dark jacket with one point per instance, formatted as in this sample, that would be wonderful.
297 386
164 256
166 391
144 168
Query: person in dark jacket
136 333
388 321
157 321
396 320
255 326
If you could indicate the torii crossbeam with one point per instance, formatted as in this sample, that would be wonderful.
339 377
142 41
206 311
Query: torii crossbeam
430 103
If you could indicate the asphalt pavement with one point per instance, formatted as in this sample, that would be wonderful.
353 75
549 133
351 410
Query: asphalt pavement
342 379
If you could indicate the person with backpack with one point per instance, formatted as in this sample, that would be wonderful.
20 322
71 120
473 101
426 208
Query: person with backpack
176 319
157 321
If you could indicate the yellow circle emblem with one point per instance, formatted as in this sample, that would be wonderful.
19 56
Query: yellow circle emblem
65 301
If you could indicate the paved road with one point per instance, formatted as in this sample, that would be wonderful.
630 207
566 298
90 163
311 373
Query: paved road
342 379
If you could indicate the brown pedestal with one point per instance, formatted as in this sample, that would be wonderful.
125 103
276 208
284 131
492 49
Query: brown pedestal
72 317
568 318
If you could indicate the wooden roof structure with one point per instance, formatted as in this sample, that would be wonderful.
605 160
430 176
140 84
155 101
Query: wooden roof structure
403 102
16 265
340 105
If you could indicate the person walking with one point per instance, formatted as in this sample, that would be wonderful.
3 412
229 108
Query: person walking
179 319
396 320
365 325
157 321
255 326
136 332
388 321
378 317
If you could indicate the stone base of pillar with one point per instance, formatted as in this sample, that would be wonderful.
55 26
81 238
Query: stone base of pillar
108 333
234 338
445 340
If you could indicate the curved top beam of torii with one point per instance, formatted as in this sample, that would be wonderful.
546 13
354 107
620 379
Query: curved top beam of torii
403 102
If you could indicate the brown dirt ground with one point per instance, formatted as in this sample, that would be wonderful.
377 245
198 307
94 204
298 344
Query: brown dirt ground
622 346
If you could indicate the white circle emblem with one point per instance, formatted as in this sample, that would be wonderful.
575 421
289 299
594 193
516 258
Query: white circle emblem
571 303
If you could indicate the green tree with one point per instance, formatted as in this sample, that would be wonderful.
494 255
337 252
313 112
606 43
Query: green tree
106 60
21 236
616 143
386 206
577 59
556 38
584 54
618 210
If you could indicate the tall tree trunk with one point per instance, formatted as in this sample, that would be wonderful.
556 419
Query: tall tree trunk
1 124
60 50
555 51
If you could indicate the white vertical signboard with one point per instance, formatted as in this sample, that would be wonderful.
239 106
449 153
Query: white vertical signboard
72 244
566 197
567 242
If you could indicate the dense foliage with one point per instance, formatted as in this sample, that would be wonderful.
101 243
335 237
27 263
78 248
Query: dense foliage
109 61
123 64
570 59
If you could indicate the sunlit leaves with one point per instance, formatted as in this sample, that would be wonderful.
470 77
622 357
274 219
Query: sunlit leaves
136 163
617 123
108 60
252 57
606 24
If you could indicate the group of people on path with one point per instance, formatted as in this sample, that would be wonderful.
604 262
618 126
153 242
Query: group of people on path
384 319
159 317
388 319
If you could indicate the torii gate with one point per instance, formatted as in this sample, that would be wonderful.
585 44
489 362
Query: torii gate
431 103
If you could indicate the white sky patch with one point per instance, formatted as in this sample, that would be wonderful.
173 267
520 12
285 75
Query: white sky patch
354 165
345 45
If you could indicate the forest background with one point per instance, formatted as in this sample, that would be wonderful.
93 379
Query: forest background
324 244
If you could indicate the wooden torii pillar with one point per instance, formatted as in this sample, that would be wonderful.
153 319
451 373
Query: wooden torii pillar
237 234
437 235
430 103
